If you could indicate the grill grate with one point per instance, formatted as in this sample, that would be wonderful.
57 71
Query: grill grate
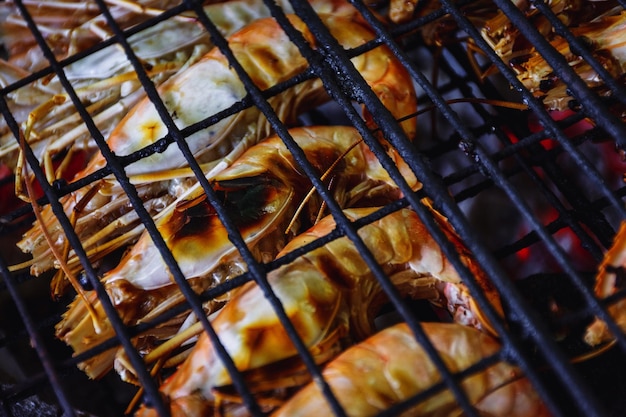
472 157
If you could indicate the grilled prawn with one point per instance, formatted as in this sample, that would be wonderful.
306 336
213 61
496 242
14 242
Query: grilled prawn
607 284
329 292
268 55
104 80
604 37
597 23
391 367
600 24
262 189
67 26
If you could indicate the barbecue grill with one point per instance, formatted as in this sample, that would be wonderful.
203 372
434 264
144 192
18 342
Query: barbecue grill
536 200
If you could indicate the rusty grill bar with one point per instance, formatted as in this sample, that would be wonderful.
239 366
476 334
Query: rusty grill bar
584 216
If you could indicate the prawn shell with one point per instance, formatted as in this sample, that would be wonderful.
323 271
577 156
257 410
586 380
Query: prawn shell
391 366
206 88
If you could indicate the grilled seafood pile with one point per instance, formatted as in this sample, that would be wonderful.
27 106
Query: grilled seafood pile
52 125
330 294
261 44
605 41
263 189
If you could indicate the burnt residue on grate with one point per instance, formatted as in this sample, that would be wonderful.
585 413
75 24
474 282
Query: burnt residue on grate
537 200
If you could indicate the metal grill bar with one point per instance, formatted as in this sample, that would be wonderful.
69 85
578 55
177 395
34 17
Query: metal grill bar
533 324
436 188
553 356
567 217
544 159
281 130
256 270
168 257
36 340
145 378
619 91
313 22
438 194
537 108
582 162
398 408
310 18
593 106
37 75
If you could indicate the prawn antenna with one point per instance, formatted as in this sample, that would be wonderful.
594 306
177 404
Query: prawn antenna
596 352
36 210
496 103
159 357
325 175
138 395
58 282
